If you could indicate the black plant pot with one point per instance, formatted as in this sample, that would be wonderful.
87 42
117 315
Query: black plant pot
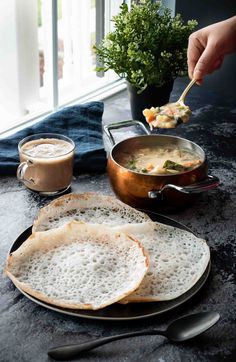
150 97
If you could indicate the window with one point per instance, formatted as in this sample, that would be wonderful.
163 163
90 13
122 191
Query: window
46 55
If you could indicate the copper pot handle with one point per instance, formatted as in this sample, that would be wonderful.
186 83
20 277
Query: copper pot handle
209 183
122 124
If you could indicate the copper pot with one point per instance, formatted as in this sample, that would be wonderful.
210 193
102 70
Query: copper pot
162 193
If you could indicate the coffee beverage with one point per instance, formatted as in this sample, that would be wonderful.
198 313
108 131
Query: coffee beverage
46 163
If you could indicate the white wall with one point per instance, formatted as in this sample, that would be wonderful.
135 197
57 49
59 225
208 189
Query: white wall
18 59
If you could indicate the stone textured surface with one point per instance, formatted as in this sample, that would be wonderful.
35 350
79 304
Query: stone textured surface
28 330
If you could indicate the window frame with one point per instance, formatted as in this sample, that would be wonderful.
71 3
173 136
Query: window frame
100 93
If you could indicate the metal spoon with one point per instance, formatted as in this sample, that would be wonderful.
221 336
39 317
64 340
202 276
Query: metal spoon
164 120
180 330
185 92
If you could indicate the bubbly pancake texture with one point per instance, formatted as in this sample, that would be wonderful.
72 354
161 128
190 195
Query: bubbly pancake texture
78 266
177 261
87 207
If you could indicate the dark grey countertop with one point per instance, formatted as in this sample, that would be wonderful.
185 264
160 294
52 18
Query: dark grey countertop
28 330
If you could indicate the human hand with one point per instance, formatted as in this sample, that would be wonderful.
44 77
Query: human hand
208 46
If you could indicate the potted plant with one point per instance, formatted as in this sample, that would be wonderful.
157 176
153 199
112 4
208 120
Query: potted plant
148 48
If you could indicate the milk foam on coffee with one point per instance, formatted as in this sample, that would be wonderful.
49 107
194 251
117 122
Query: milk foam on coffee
51 165
47 148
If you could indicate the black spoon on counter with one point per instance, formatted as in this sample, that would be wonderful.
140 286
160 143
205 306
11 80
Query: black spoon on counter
180 330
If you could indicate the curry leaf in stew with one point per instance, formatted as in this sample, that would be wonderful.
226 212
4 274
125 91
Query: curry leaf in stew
170 165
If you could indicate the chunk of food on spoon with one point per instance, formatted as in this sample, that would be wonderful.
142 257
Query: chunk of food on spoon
167 116
171 114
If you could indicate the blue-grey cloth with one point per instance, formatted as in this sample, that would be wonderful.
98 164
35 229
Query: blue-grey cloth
81 122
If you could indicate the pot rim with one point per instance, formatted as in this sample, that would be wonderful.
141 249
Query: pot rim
162 175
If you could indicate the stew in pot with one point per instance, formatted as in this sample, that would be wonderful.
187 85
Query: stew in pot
158 160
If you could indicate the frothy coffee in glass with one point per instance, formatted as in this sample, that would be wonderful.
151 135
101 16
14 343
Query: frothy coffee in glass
46 163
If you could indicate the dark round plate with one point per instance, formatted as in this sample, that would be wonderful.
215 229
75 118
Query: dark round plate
118 311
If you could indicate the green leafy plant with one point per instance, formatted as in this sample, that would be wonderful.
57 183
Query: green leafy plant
148 46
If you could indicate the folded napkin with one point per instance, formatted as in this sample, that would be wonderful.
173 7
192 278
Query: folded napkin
82 123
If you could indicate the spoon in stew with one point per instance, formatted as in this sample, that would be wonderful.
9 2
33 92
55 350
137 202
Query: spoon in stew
171 114
180 330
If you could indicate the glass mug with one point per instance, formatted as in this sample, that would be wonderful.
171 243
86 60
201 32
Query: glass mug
46 163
